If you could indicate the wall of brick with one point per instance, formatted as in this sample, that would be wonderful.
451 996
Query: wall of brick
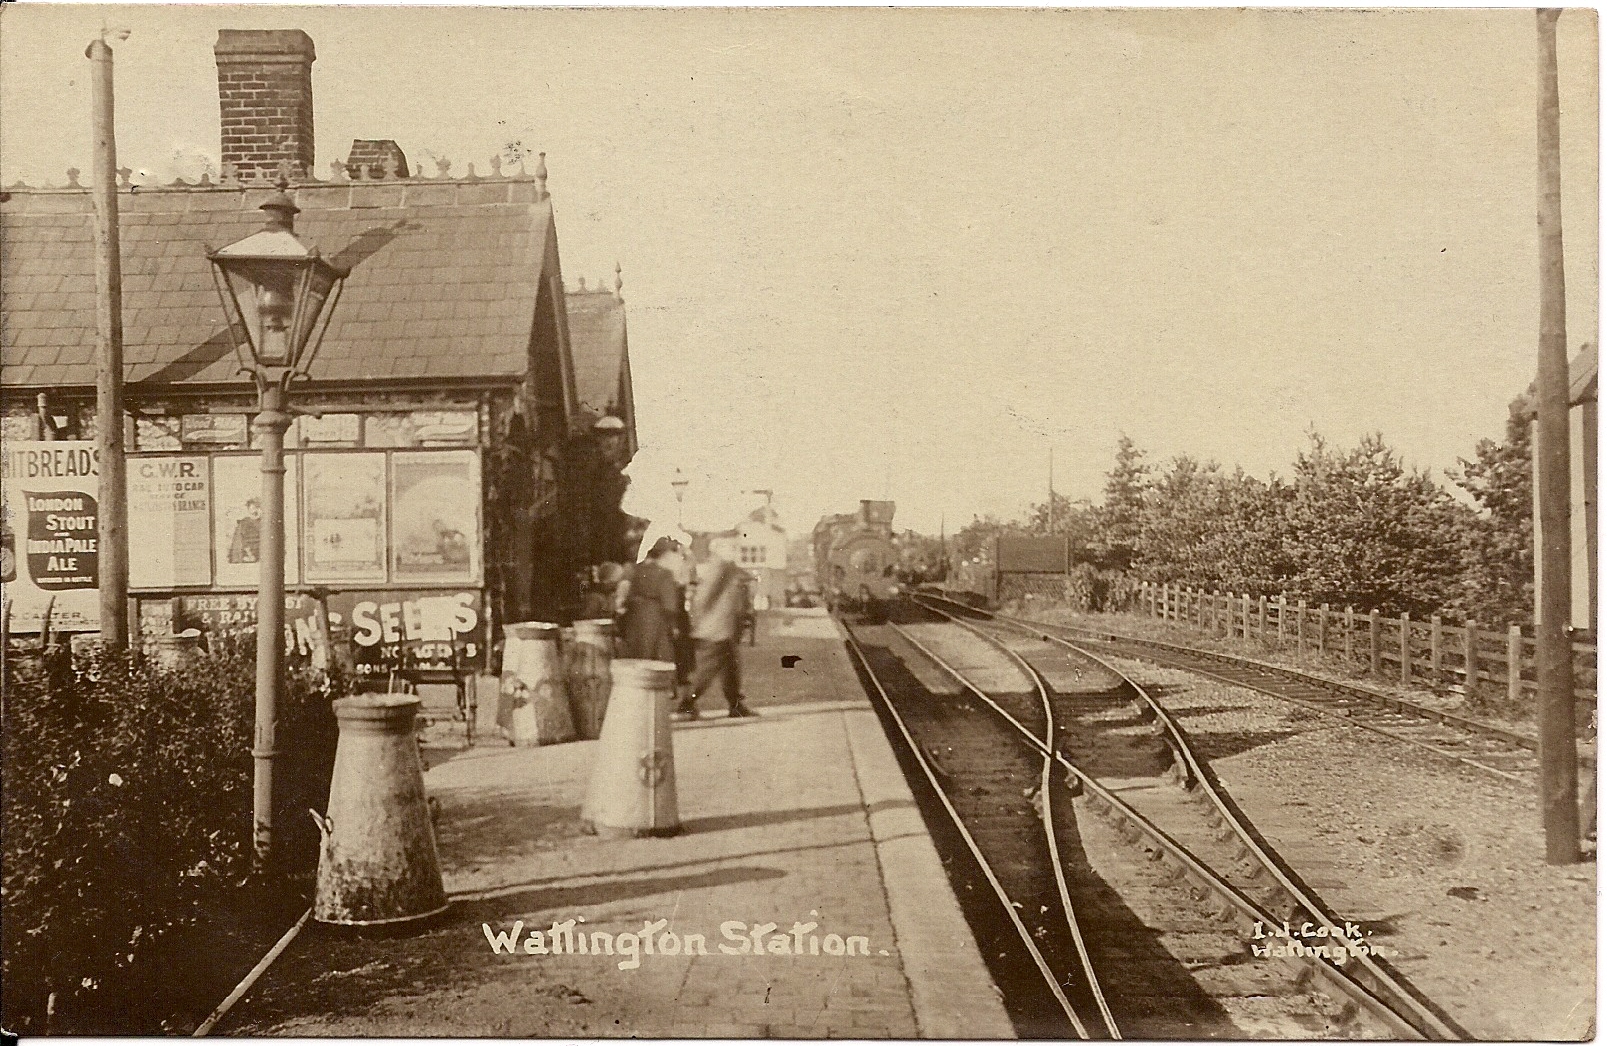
265 101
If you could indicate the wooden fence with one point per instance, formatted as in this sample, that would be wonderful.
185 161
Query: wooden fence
1410 652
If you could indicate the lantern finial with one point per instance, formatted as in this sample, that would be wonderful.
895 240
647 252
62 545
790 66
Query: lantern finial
281 209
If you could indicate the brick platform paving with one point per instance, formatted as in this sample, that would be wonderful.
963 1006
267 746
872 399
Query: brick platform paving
799 816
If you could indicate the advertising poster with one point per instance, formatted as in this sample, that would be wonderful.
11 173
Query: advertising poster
435 516
50 534
345 517
237 521
169 522
235 617
418 628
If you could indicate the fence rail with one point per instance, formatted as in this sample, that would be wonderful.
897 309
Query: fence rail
1411 652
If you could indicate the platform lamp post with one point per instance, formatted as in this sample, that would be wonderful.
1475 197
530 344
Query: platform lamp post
679 484
278 295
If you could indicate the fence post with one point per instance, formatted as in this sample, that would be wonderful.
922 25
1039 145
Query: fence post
1514 663
1245 601
1300 627
1406 648
1350 635
1322 631
1283 613
1261 617
1375 650
1470 658
1434 651
1199 609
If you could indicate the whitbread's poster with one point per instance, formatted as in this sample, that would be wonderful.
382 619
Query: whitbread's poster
51 520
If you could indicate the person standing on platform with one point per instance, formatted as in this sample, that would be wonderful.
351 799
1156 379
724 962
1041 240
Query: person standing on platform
719 602
599 599
652 606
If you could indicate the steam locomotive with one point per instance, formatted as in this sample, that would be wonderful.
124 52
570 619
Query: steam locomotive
855 560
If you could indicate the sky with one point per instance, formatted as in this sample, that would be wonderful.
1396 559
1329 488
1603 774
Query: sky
904 253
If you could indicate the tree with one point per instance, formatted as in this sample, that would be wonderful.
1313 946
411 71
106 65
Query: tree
1181 509
1498 574
1119 520
1366 531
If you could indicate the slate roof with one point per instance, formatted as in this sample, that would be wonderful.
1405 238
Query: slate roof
602 356
444 280
1581 382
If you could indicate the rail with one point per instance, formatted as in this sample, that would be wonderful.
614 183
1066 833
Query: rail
1384 995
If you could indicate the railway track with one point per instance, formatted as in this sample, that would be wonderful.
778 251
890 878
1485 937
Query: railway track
991 830
1485 747
1121 750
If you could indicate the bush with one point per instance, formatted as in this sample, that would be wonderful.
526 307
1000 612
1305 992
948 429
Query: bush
127 813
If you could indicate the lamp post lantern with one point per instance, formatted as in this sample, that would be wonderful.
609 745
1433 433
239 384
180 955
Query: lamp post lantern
679 483
278 295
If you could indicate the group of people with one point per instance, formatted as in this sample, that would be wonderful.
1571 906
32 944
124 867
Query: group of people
691 616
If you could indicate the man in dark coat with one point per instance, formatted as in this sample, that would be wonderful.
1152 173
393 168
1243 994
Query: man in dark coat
652 606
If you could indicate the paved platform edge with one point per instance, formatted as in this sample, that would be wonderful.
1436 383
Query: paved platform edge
951 991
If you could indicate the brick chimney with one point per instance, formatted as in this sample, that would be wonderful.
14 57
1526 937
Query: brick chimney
376 158
265 98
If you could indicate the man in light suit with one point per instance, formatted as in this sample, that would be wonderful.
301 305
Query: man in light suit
719 605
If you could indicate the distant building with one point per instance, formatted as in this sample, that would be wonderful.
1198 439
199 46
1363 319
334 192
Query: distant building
473 419
758 544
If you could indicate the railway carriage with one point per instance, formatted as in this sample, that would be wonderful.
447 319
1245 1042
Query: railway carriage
855 559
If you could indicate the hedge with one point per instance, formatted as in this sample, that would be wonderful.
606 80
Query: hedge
127 814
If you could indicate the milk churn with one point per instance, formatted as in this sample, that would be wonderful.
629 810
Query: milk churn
378 863
532 708
632 790
173 649
587 663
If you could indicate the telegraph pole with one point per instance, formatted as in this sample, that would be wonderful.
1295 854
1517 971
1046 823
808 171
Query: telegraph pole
113 492
1051 490
1559 767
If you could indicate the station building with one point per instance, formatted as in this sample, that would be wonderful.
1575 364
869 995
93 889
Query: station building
459 462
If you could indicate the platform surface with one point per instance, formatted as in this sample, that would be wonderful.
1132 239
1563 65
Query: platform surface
799 816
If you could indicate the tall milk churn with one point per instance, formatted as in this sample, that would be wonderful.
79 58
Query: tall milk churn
532 708
587 661
632 791
378 863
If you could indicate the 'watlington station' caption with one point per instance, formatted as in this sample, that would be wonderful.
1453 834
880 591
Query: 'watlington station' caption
569 937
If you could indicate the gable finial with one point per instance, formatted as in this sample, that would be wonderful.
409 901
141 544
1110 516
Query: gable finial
619 283
541 175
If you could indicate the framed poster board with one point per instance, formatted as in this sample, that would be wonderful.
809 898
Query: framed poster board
237 520
435 516
169 522
345 506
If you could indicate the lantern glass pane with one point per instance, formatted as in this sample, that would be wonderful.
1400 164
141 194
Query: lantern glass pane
320 279
266 293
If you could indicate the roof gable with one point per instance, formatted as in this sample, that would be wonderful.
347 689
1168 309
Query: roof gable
601 353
